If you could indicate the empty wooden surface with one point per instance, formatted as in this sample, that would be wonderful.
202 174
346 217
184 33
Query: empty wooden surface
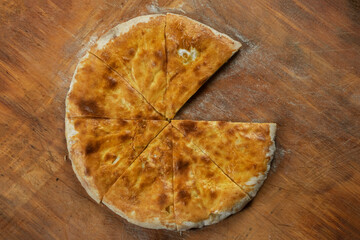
299 67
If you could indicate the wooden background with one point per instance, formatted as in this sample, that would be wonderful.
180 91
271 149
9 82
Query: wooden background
299 67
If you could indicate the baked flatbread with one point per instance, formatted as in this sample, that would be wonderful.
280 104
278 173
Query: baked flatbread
102 149
194 52
144 194
97 91
154 174
136 50
203 194
242 150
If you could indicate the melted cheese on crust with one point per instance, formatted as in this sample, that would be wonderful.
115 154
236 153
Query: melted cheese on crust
188 56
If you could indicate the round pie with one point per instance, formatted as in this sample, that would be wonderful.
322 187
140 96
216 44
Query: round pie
126 150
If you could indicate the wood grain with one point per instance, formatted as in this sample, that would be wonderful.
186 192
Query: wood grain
299 67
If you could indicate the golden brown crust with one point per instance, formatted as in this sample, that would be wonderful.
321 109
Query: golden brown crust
136 50
242 150
203 194
193 175
144 193
97 91
101 149
194 52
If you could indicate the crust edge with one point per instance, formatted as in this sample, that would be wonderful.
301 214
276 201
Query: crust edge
88 183
72 83
77 166
270 153
215 217
236 44
122 28
152 225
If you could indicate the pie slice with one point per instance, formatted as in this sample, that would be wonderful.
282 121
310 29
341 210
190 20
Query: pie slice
144 193
102 149
242 150
203 194
194 52
97 91
136 50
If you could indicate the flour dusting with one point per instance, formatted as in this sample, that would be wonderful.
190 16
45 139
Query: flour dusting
155 8
280 154
87 46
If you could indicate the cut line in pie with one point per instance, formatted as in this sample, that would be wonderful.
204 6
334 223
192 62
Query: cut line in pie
126 150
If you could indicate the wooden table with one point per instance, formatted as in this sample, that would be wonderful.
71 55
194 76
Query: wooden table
299 67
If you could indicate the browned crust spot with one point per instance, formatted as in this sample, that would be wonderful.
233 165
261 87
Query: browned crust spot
92 147
182 166
88 106
183 196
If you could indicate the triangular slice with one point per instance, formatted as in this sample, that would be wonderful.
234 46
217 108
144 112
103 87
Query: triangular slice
242 150
194 52
144 194
98 91
203 194
136 50
102 149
